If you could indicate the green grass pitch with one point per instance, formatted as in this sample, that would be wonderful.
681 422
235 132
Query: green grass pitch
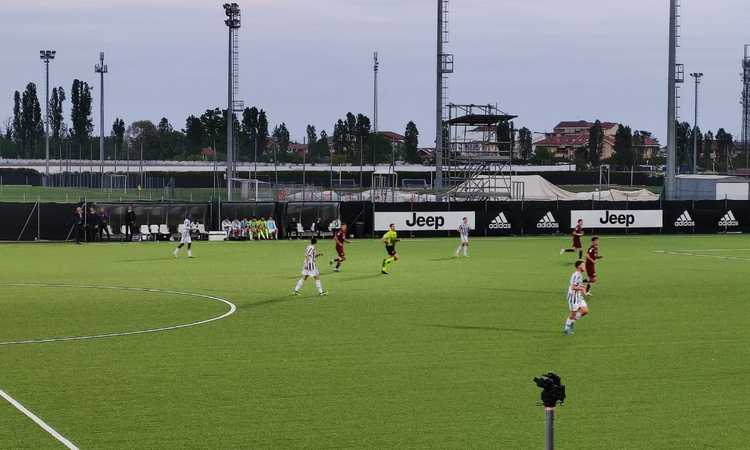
440 354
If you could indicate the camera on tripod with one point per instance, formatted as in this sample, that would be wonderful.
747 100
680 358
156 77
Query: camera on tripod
553 391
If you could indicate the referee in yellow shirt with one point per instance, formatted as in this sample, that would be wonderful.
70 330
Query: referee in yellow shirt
390 238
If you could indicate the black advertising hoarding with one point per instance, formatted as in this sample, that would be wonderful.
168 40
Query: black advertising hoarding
500 219
679 217
542 218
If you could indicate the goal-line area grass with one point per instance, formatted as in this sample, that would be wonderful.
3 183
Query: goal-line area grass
440 354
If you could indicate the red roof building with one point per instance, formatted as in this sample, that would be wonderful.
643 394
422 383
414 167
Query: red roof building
567 137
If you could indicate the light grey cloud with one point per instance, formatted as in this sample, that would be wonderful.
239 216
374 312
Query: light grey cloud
310 62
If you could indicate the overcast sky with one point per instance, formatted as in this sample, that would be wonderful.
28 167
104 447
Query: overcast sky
307 61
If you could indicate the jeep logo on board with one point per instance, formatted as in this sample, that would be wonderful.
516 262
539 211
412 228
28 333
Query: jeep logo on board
617 219
436 222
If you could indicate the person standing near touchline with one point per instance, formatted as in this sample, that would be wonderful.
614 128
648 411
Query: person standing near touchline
129 223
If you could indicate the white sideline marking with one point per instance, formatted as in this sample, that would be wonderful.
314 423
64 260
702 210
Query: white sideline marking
697 255
232 310
62 439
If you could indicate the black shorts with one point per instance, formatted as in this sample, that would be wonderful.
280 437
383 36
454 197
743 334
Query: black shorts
391 250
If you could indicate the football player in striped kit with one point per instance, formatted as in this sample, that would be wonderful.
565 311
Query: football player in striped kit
576 303
463 232
185 239
310 269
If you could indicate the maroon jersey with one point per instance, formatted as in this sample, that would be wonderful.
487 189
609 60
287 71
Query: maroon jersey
577 233
340 238
593 255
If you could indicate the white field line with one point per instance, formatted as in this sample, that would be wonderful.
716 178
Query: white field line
232 309
566 237
698 255
42 424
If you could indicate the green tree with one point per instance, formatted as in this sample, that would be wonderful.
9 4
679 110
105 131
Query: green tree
322 149
213 122
362 130
724 149
411 143
144 134
706 159
31 121
624 155
195 132
312 139
168 139
250 130
281 138
57 118
118 134
263 136
683 145
17 125
596 141
340 141
525 143
80 112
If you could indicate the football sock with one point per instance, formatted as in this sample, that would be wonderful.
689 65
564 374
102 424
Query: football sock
580 254
319 285
588 288
569 323
569 250
190 253
300 282
458 249
338 263
466 251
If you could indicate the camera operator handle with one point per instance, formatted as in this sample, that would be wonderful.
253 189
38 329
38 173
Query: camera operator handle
550 414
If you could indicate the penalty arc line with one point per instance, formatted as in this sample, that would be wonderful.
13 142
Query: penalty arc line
232 309
60 438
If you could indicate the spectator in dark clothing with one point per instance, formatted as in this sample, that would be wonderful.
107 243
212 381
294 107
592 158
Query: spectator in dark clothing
103 224
92 223
129 223
78 224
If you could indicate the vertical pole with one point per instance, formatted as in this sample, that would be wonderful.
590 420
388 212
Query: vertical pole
439 106
101 118
550 416
46 125
695 127
375 92
669 182
229 118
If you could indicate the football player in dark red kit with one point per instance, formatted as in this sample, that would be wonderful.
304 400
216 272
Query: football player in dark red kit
592 256
340 239
577 235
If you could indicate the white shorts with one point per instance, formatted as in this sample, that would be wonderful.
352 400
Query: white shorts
576 302
464 239
310 273
186 239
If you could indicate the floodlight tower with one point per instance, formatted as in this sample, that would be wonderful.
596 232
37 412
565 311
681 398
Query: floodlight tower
101 69
444 67
697 76
375 68
232 11
746 101
676 76
46 56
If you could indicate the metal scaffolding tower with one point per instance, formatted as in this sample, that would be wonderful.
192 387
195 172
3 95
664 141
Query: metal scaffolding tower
444 68
746 103
233 22
479 153
676 76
